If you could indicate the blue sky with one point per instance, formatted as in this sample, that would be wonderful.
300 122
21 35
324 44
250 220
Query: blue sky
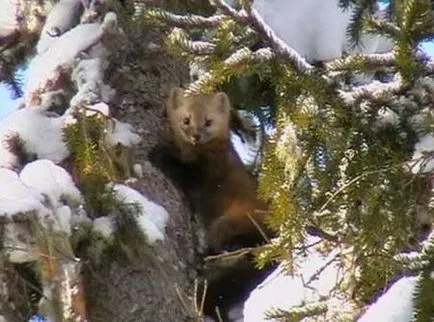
6 102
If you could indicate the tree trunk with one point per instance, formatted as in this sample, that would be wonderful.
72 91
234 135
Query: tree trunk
158 285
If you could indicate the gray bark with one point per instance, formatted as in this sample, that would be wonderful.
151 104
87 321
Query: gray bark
158 286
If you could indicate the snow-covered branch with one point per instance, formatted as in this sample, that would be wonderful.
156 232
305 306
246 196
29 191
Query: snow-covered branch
256 22
242 57
179 37
372 91
46 70
379 60
189 21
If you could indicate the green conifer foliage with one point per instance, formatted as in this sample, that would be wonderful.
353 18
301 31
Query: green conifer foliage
336 164
90 160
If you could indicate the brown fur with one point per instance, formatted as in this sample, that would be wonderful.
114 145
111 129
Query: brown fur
196 137
226 194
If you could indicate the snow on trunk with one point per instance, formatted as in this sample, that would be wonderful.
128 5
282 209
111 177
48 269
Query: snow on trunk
152 218
64 15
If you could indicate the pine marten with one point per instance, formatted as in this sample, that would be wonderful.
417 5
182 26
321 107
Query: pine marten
197 154
222 191
226 192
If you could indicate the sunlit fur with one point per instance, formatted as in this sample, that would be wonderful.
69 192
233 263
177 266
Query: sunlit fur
226 196
198 121
221 190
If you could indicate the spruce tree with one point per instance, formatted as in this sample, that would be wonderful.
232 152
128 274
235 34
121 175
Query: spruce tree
336 159
336 165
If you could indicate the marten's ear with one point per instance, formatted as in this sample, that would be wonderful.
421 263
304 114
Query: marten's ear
222 103
175 96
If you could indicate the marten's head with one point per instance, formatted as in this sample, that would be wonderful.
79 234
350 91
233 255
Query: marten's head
199 119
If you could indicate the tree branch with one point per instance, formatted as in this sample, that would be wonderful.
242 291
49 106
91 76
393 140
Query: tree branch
185 21
255 21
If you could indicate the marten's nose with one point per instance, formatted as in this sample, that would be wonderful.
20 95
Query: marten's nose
196 137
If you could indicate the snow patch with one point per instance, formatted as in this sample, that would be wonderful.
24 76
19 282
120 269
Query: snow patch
63 216
60 56
40 190
120 132
396 305
53 181
15 196
64 15
152 218
88 76
42 135
101 108
103 225
419 163
138 170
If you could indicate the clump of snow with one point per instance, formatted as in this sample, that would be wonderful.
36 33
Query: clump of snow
87 70
41 190
15 196
110 22
101 108
316 29
138 170
103 225
88 76
63 218
8 17
386 116
60 56
419 163
120 132
396 305
79 216
42 135
64 15
51 180
152 218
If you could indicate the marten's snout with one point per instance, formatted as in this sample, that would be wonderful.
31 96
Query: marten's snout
196 137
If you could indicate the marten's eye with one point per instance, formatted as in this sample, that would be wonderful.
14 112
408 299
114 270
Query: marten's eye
186 120
208 123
